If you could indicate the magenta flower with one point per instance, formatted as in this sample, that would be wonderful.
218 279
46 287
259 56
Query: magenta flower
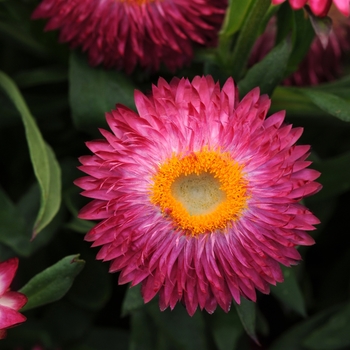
10 302
322 63
319 7
198 194
124 33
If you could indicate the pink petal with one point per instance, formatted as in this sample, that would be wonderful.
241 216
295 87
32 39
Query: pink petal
10 317
8 269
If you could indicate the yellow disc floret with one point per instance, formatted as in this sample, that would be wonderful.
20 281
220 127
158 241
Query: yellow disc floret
201 192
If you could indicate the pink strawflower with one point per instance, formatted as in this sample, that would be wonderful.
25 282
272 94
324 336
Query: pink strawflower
124 33
319 7
198 194
10 302
321 63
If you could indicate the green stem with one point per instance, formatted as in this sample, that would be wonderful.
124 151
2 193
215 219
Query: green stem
247 37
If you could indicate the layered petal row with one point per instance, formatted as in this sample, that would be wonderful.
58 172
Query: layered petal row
194 147
125 33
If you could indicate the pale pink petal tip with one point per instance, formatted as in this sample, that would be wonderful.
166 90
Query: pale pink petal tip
343 6
217 266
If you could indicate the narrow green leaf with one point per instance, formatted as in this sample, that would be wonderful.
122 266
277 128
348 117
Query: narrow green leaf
343 82
235 15
289 292
52 283
226 328
332 104
302 38
247 36
132 300
295 104
95 91
261 73
247 313
293 338
332 335
46 168
41 76
16 222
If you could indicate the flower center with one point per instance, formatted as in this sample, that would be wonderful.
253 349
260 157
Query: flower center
202 192
199 194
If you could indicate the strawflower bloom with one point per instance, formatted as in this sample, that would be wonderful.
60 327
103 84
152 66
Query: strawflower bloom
10 302
322 63
124 33
319 7
198 194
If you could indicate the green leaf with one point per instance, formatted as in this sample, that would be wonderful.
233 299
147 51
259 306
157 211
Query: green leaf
284 98
247 36
52 283
95 91
261 73
13 231
302 38
142 335
226 328
332 104
16 221
293 338
41 76
332 335
289 292
235 15
184 332
132 300
46 168
247 313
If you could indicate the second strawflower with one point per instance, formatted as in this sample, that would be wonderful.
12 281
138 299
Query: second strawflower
127 33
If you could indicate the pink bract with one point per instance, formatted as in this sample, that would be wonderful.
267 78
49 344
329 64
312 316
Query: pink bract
125 33
146 246
319 7
10 302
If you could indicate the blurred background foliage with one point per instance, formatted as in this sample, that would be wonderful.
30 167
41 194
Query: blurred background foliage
52 101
